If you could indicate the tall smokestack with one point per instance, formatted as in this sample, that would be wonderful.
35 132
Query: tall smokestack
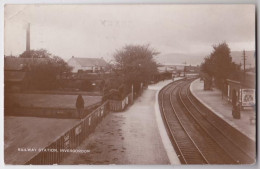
28 38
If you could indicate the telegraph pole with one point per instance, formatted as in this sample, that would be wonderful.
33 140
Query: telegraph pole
244 60
28 40
184 68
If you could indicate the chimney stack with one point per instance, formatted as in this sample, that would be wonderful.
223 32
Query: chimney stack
28 38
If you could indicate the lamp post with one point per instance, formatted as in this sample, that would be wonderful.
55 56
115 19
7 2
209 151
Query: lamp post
184 69
132 88
222 89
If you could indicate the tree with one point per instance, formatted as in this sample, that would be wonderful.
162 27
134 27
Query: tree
41 53
136 64
206 66
60 65
45 69
219 64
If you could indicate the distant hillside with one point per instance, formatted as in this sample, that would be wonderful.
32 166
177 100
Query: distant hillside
196 59
180 58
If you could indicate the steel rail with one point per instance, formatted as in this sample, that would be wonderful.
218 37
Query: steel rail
214 126
202 127
186 130
168 126
180 123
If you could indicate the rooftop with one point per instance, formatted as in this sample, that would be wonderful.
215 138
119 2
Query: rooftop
16 63
86 62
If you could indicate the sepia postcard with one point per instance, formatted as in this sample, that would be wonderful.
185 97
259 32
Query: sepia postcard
161 84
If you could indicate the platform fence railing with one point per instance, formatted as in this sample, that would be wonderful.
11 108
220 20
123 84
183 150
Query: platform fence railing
68 141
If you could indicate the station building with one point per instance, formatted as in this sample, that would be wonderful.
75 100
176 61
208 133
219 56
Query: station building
242 92
87 64
16 72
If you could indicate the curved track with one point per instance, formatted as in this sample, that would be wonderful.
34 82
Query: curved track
197 135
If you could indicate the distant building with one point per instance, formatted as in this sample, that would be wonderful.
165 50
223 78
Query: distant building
192 69
16 72
178 69
170 67
87 64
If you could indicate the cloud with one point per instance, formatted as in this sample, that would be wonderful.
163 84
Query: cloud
98 30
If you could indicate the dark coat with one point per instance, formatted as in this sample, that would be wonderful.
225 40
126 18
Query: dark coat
80 102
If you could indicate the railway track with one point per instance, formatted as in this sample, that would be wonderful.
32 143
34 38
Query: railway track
247 145
187 150
196 138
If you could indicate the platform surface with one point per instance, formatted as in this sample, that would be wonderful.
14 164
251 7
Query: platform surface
213 100
128 137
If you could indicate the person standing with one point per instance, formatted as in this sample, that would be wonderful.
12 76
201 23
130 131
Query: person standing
80 106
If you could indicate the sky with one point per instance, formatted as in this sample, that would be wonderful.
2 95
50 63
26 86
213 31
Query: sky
100 30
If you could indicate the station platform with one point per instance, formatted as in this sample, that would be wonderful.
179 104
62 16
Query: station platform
133 136
213 100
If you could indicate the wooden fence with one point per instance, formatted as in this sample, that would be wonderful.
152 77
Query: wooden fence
120 105
71 139
68 141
